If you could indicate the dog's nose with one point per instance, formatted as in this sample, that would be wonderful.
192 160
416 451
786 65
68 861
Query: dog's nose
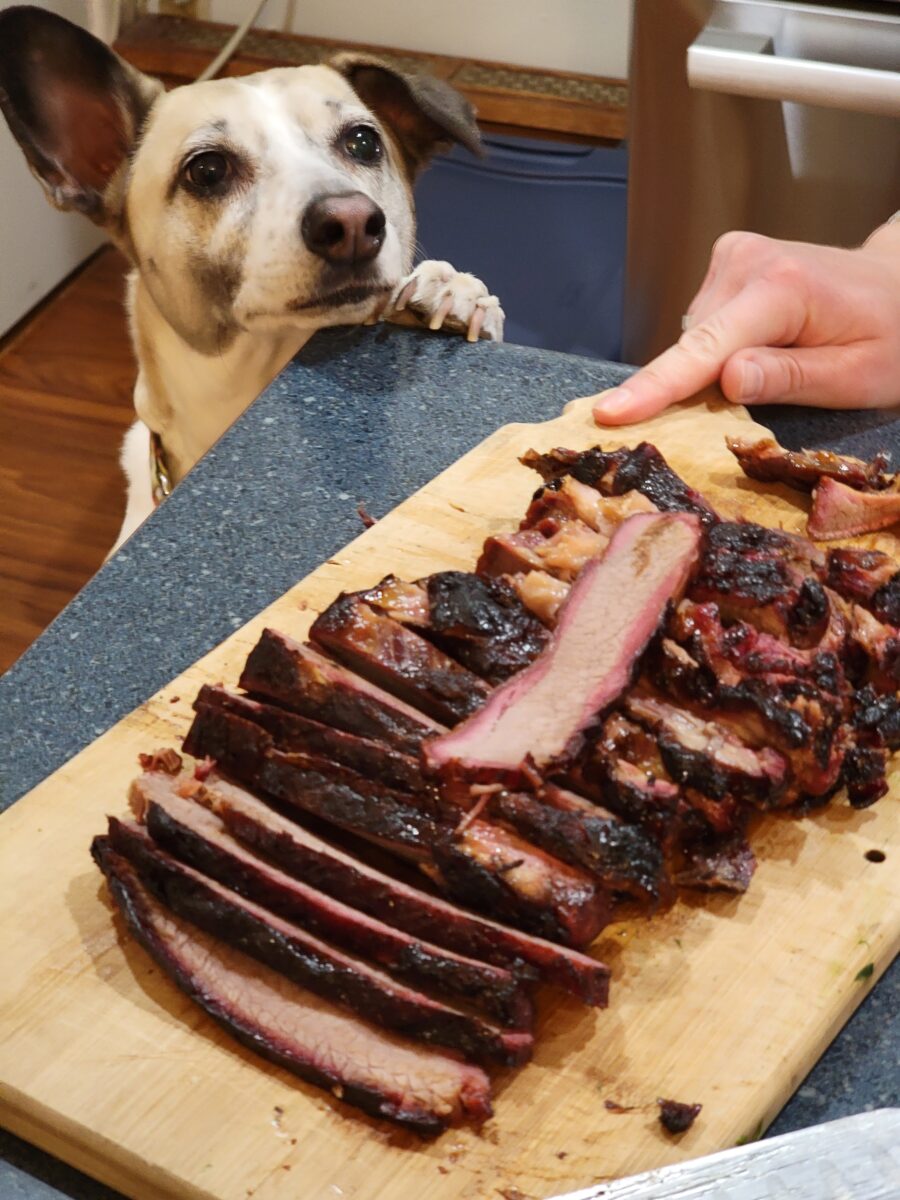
344 229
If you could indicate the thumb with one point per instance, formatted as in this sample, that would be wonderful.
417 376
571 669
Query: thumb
823 376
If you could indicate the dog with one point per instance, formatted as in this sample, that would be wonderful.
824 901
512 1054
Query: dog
253 211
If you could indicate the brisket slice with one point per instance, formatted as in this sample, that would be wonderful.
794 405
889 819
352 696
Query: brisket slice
307 960
539 717
397 659
484 867
375 1071
616 472
293 733
621 857
199 838
480 622
402 822
839 511
763 459
298 677
302 854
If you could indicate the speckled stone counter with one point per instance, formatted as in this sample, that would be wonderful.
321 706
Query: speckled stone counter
362 416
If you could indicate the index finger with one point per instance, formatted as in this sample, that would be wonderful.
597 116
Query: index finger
762 314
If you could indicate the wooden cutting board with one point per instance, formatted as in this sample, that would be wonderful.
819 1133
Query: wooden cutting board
723 1001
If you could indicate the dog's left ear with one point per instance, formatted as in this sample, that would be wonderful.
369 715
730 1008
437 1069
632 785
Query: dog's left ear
424 113
73 106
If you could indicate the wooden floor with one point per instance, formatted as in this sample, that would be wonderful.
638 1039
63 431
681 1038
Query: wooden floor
66 379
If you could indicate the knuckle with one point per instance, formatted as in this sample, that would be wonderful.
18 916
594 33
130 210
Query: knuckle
785 270
736 244
701 341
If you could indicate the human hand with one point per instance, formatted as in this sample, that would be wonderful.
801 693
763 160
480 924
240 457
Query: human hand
783 323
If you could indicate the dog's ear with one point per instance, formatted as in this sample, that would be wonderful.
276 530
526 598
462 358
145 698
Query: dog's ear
424 113
73 106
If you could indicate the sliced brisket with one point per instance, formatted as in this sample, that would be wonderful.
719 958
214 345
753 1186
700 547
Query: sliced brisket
293 733
487 868
539 717
839 511
369 1068
198 837
301 853
307 960
396 658
300 678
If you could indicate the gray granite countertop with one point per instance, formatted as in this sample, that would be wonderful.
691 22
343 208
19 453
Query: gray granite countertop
361 416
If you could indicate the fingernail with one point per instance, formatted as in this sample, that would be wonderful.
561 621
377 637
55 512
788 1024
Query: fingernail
751 382
613 402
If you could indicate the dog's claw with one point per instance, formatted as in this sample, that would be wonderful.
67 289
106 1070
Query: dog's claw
443 298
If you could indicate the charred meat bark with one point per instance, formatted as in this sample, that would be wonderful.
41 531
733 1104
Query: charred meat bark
199 838
396 658
298 677
478 621
616 472
621 857
763 576
371 1069
292 733
868 577
700 754
539 717
839 511
484 867
763 459
301 853
308 960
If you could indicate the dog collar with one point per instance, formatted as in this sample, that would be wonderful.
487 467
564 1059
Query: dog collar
160 479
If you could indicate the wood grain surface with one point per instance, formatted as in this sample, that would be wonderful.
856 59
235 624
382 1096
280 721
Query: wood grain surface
66 382
724 1001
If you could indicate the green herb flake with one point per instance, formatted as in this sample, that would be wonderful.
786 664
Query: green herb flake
866 973
752 1137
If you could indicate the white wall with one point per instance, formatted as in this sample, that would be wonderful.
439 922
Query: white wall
589 36
38 245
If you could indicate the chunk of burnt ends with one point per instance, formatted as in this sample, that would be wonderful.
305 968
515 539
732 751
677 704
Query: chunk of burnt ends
706 862
876 718
870 578
763 459
615 472
397 659
562 551
371 1069
865 775
478 621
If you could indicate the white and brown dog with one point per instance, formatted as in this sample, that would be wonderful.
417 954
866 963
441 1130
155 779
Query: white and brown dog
254 210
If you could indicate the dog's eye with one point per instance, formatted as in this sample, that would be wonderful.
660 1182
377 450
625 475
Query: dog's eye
208 170
363 143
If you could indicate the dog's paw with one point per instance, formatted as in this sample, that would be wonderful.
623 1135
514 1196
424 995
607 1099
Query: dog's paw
444 298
